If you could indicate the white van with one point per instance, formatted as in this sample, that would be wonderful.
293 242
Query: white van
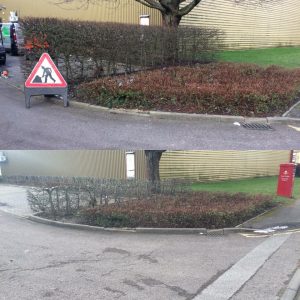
13 39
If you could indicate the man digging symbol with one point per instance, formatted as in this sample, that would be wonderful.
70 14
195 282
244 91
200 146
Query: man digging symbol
45 79
47 73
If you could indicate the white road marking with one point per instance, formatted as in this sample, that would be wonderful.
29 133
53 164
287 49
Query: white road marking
294 127
232 280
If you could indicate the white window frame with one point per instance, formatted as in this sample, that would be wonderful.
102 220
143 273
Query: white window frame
130 173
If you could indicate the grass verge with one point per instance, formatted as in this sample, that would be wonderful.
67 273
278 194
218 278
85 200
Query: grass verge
288 57
252 186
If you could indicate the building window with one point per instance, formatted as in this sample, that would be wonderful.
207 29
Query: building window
145 20
130 165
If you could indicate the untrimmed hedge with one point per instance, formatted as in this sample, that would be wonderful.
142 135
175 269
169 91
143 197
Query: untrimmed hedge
91 49
191 210
217 88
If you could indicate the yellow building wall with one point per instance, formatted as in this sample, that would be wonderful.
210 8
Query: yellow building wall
250 26
221 165
71 163
297 156
193 165
108 11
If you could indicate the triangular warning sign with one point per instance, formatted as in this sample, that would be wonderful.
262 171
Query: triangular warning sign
45 75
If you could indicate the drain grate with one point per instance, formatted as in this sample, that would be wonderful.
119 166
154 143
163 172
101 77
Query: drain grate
257 126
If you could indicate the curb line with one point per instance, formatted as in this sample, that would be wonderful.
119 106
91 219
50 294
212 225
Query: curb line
256 217
199 231
184 116
292 288
295 105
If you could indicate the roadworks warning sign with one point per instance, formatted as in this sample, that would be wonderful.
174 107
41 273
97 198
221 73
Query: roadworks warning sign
45 75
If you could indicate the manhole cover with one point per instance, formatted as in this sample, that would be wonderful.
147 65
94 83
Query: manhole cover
257 126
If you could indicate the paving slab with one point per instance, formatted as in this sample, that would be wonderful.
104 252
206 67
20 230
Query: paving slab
13 199
232 280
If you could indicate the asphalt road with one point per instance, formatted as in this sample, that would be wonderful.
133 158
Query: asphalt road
39 261
48 125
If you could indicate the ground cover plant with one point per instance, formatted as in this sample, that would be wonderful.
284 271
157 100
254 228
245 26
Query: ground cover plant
288 57
216 88
132 203
188 210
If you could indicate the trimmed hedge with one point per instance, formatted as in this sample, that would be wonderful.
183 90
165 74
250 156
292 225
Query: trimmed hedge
92 49
217 88
191 210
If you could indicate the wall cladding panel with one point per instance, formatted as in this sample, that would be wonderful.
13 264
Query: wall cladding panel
221 165
250 26
71 163
123 12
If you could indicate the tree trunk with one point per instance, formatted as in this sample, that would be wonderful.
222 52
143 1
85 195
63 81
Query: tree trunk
170 20
153 159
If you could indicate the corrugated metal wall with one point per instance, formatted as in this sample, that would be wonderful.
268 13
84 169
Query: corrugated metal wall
297 156
221 165
123 11
195 165
250 26
81 163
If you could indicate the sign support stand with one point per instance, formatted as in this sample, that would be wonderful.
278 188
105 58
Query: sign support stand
46 91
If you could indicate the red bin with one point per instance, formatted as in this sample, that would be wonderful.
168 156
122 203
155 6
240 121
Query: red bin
286 180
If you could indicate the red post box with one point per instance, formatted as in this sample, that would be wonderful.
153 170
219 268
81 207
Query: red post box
286 180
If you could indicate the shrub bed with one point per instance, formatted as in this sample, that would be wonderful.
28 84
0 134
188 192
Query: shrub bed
131 203
192 210
217 88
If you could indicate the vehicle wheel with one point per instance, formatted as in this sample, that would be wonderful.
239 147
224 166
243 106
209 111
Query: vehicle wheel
14 50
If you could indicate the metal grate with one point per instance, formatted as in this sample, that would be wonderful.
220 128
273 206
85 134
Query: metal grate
257 126
215 232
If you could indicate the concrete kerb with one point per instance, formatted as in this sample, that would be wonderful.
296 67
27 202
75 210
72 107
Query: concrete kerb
294 106
199 231
293 287
185 116
256 217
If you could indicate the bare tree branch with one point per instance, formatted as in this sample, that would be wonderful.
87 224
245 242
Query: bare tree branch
188 8
152 4
171 10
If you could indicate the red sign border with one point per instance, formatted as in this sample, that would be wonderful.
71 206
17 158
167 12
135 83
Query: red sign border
44 56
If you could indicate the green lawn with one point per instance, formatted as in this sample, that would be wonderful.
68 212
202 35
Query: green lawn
262 185
288 57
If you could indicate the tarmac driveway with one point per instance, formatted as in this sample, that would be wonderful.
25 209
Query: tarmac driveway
38 261
48 125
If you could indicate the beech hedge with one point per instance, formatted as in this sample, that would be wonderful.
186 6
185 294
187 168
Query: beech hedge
92 49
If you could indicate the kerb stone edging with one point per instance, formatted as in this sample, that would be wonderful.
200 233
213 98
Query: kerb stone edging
200 231
293 287
184 116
